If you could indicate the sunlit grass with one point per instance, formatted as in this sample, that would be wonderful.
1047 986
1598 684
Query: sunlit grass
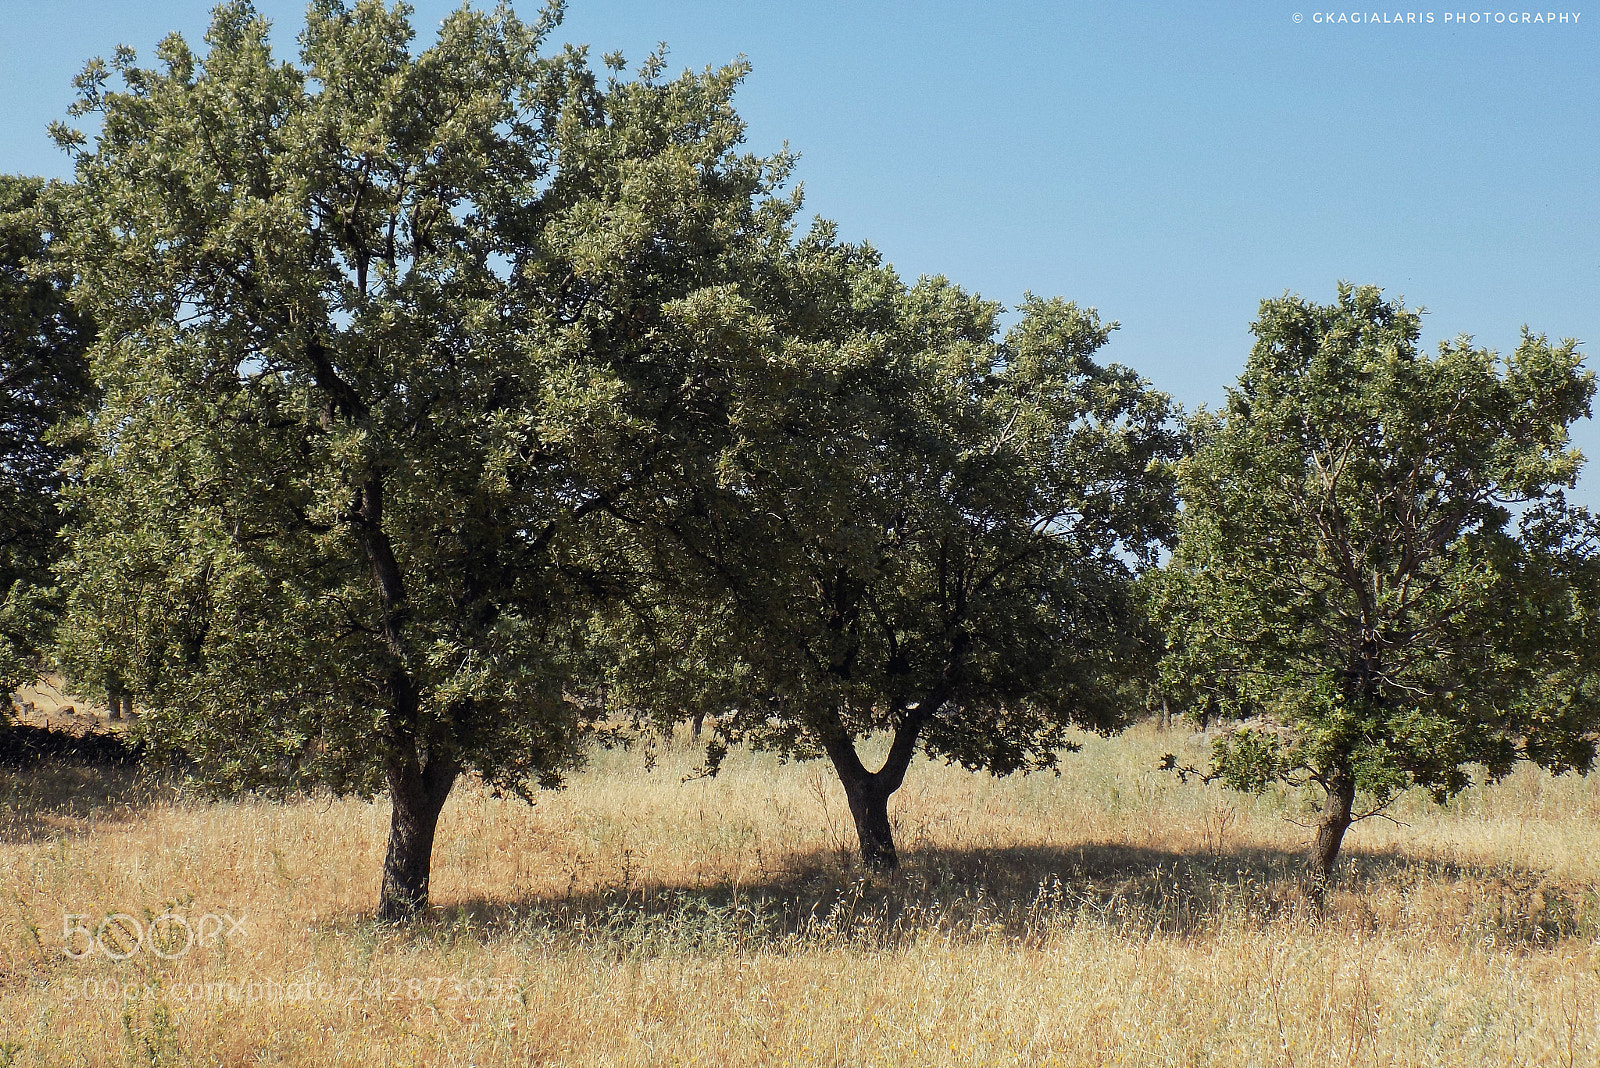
1111 915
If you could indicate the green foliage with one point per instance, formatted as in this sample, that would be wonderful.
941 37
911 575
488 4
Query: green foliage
45 380
391 338
939 540
1347 582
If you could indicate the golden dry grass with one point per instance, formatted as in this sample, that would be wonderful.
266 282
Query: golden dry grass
1109 916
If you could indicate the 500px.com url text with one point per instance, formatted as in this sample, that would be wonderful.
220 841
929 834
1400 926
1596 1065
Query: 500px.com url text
428 988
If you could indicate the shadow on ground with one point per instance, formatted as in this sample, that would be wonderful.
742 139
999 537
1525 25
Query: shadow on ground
57 783
1027 893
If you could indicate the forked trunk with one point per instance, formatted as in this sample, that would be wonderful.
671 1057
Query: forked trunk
1337 809
419 794
868 792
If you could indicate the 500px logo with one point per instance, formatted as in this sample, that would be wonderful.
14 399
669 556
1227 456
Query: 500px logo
168 936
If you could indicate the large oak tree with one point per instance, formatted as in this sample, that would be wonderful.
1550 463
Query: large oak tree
389 335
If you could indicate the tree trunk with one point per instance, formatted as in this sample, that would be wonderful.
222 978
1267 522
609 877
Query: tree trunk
417 787
1337 808
419 794
868 792
869 806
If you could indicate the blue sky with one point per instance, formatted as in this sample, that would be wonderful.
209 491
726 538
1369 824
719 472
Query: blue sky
1168 164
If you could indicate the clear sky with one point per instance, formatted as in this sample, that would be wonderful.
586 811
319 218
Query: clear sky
1168 164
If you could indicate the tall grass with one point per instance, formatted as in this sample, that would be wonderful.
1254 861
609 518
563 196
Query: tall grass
1111 915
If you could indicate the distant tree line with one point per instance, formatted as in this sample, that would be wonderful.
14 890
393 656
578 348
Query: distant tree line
383 416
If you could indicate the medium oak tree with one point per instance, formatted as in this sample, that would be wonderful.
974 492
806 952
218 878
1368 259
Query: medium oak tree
939 550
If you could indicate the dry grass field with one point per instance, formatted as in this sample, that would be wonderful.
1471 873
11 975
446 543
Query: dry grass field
1109 916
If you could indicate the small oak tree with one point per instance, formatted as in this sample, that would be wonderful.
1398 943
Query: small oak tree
1346 581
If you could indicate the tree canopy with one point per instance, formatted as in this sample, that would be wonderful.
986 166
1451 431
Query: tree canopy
1348 584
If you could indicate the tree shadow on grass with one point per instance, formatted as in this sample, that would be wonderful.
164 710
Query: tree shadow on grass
1027 893
56 784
